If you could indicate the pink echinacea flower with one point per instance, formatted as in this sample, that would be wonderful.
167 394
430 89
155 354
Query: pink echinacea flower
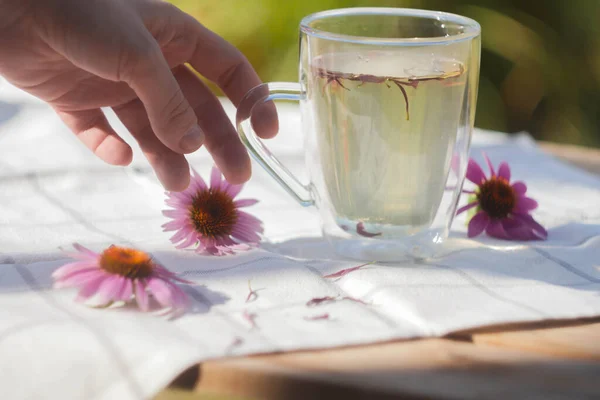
121 274
210 219
502 209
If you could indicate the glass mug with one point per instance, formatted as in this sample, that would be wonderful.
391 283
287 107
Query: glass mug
387 99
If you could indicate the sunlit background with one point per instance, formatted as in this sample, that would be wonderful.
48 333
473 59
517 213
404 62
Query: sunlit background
540 65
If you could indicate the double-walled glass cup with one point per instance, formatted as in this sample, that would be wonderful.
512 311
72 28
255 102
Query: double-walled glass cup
387 98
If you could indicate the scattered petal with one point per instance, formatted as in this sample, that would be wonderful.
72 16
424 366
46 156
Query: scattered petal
250 318
317 317
320 300
346 271
360 229
235 343
252 294
354 299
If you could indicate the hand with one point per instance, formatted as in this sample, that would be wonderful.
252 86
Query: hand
79 56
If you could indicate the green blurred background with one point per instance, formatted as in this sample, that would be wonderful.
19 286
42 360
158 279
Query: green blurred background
540 63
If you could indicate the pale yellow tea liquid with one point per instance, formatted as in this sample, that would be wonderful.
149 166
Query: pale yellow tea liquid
385 129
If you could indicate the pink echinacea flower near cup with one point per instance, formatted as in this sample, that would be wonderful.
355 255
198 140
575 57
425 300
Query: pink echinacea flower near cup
502 209
210 219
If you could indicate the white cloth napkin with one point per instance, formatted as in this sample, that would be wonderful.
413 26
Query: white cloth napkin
53 192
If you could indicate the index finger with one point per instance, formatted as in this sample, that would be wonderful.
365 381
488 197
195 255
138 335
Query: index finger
221 62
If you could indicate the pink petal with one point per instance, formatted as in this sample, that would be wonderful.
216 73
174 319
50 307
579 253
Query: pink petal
251 226
179 299
126 290
489 163
212 250
475 173
79 278
224 241
360 229
246 229
477 224
226 249
207 241
215 178
175 203
161 291
537 229
178 195
495 229
141 296
181 234
173 225
198 180
164 273
467 207
187 242
182 202
520 188
233 190
175 213
85 250
90 288
524 205
504 171
69 268
245 202
249 237
246 218
109 288
517 230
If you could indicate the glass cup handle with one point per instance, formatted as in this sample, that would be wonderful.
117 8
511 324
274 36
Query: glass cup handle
262 94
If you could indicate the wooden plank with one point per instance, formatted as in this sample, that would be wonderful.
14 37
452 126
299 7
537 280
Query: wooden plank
432 368
585 158
575 342
180 394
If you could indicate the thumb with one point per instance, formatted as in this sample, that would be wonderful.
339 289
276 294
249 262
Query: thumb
171 117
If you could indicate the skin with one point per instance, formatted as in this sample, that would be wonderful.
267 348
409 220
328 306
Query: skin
131 56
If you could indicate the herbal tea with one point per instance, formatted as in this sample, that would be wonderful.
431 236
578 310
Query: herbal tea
385 129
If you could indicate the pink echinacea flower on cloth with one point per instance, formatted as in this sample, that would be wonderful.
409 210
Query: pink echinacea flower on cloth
502 209
209 218
121 274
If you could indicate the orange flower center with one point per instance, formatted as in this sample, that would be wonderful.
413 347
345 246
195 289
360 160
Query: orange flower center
496 197
126 262
213 213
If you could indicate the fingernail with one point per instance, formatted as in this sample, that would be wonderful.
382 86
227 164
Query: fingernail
192 140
